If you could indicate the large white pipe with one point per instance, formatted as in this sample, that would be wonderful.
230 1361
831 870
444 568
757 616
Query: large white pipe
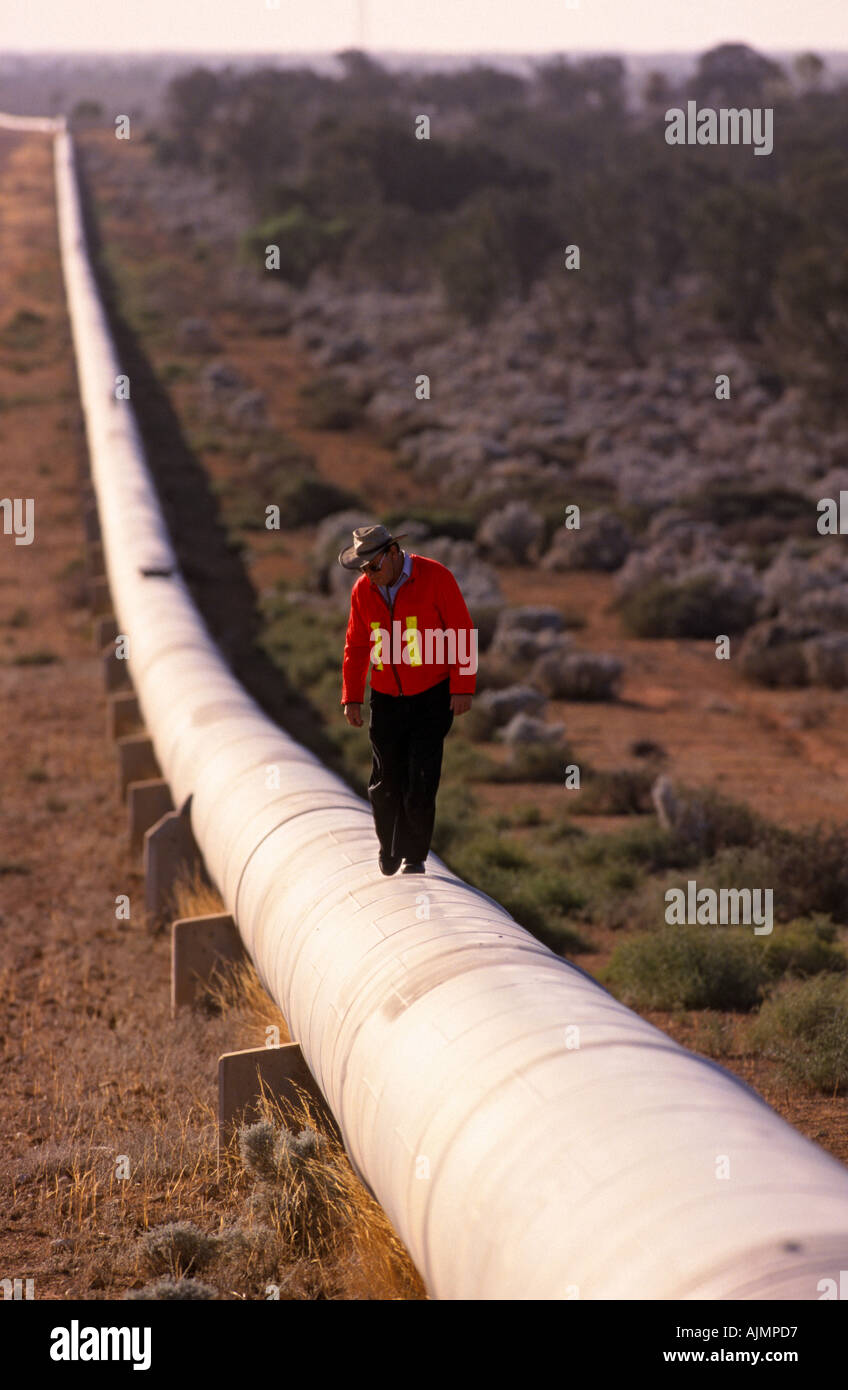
514 1163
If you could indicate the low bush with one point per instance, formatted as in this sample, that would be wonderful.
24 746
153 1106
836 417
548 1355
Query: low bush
304 497
703 821
462 761
811 867
622 792
531 762
177 1249
305 242
480 723
697 607
804 947
327 404
25 329
457 817
40 657
689 968
750 514
300 1188
807 876
496 673
460 525
649 847
539 896
805 1029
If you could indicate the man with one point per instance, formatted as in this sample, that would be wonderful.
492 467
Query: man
408 620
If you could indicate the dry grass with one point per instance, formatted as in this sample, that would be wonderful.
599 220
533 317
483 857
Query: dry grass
136 1152
194 897
309 1222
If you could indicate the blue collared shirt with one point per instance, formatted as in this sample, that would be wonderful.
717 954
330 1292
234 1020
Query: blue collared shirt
389 593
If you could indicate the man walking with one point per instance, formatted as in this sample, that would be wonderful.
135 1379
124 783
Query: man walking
409 621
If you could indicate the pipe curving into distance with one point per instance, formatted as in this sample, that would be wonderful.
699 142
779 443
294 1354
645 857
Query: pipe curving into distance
528 1136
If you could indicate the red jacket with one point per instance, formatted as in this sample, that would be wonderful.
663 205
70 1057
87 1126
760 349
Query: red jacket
424 638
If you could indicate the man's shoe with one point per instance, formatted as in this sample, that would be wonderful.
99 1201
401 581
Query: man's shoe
412 866
388 864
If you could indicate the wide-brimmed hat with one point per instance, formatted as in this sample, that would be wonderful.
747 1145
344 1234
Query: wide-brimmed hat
368 541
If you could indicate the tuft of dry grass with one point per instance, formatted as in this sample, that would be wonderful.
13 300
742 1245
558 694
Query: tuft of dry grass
195 896
310 1216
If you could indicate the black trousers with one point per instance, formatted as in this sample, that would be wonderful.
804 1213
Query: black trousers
407 733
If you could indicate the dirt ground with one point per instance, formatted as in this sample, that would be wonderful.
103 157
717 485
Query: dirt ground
88 1048
84 994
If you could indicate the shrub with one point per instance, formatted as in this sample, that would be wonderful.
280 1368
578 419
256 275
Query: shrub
538 896
300 1189
715 1036
804 947
689 968
646 748
765 514
539 902
702 821
465 762
40 657
651 848
329 405
176 1249
805 1029
305 498
696 607
387 248
577 675
811 866
497 672
256 1146
457 817
305 242
774 653
623 792
531 762
487 851
24 329
480 723
458 524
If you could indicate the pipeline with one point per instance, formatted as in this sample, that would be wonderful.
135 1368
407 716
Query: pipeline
528 1136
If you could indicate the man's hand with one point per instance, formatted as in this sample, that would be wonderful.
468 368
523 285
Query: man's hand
353 715
460 704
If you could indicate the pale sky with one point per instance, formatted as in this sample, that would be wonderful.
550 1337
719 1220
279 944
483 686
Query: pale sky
531 26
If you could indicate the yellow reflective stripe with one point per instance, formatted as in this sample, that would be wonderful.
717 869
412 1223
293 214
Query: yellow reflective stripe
377 645
413 641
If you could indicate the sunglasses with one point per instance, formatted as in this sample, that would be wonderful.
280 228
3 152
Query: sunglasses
374 565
